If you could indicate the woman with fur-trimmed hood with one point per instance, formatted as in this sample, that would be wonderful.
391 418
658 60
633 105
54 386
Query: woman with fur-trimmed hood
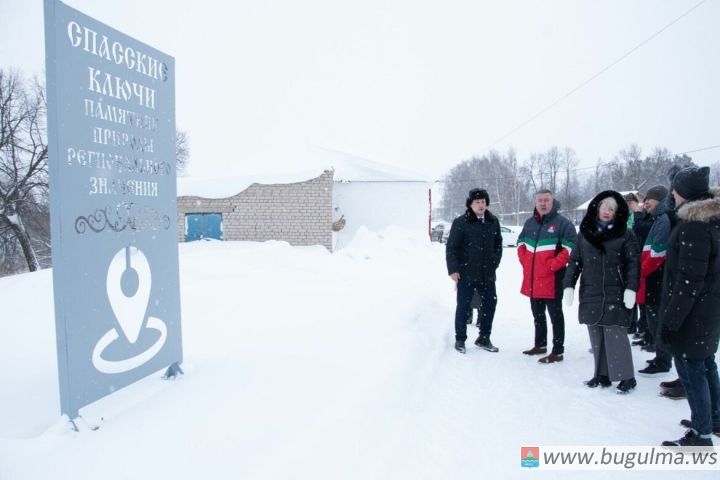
606 258
690 309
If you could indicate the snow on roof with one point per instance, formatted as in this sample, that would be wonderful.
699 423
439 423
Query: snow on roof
351 168
230 186
348 167
585 205
311 162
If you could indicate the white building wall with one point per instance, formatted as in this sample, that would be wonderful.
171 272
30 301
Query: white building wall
377 205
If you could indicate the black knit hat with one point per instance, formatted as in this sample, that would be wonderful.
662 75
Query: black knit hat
477 194
658 192
691 182
674 169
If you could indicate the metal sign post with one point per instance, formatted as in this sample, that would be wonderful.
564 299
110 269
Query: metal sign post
111 133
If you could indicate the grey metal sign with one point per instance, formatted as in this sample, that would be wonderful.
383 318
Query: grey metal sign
111 131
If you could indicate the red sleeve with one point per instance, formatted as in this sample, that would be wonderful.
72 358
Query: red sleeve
650 264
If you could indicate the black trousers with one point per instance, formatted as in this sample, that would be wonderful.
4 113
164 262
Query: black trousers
663 356
554 308
465 292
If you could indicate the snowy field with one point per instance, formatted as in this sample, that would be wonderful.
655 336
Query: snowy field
304 364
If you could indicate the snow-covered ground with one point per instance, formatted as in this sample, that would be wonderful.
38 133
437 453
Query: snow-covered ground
304 364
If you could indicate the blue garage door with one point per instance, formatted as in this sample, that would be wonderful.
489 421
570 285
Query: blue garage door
203 225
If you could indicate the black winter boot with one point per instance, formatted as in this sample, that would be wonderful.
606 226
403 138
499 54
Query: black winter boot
626 385
601 380
715 427
677 393
653 369
484 342
691 439
674 384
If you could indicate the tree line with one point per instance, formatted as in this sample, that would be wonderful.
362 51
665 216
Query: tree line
24 187
512 184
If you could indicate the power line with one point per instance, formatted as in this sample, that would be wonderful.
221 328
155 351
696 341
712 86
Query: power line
583 84
700 149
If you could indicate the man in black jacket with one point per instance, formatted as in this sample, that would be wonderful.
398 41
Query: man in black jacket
473 253
690 309
641 223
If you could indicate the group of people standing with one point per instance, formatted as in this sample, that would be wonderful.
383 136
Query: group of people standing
672 275
651 226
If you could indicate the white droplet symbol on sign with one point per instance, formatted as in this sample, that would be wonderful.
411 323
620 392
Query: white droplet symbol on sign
128 289
129 281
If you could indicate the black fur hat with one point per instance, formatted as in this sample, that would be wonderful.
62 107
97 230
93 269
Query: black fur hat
675 168
477 194
589 224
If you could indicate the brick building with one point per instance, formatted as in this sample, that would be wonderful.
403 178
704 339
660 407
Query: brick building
258 209
327 205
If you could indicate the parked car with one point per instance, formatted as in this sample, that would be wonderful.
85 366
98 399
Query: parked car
510 235
436 233
439 232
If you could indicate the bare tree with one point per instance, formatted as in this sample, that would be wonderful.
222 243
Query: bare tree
531 172
627 169
23 160
571 193
495 173
542 170
514 187
182 151
551 165
656 165
495 177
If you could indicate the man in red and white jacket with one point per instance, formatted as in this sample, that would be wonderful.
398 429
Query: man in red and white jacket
544 247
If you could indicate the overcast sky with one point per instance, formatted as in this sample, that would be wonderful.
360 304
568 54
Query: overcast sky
417 84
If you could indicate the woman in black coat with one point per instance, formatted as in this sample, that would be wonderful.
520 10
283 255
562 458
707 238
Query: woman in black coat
606 257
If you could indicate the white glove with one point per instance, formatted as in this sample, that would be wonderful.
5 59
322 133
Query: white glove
568 296
629 298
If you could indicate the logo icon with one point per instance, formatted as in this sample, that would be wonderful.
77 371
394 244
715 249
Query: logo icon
129 282
551 228
530 457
